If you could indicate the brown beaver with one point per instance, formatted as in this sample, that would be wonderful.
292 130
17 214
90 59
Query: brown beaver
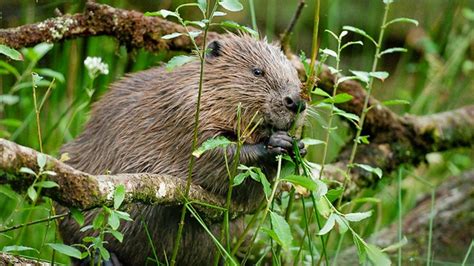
145 124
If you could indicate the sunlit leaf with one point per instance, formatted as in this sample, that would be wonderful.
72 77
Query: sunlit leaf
329 52
27 170
311 142
211 144
358 216
395 102
18 248
9 99
119 196
362 75
32 194
342 224
238 179
11 53
375 170
301 181
202 5
178 61
351 43
320 92
219 14
382 75
78 216
117 235
359 31
235 25
171 36
41 160
163 13
402 20
114 221
46 184
194 34
376 256
66 250
231 5
58 76
340 98
281 229
393 50
328 225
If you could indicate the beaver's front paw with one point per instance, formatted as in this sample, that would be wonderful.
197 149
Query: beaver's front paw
280 143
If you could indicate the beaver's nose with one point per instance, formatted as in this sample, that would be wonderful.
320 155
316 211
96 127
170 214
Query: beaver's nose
294 103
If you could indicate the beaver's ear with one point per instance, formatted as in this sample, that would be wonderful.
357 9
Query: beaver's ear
214 49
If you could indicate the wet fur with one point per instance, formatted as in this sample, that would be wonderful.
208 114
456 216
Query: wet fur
145 124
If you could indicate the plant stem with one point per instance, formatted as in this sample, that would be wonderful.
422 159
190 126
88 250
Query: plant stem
34 222
366 103
399 188
314 49
252 15
430 230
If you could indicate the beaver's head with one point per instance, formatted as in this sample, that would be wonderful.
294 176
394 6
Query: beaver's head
241 69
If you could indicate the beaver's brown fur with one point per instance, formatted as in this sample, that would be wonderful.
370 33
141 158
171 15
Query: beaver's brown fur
145 124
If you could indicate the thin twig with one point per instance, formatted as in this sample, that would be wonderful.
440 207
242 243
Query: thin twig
285 36
18 226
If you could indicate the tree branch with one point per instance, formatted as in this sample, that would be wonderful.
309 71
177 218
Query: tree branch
84 191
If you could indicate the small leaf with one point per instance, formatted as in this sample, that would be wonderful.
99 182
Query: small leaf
27 170
344 114
50 173
7 191
32 193
340 98
98 221
281 229
395 102
377 256
382 75
163 13
203 6
332 34
333 70
231 5
78 216
328 225
41 160
51 73
235 25
320 92
402 20
84 229
361 248
211 144
358 216
195 23
363 139
238 179
117 235
343 79
322 188
301 181
351 43
219 14
362 75
194 34
123 215
361 32
18 248
377 171
178 61
342 224
104 253
9 99
397 245
46 184
323 207
393 50
329 52
171 36
310 142
114 221
11 53
119 196
273 235
66 250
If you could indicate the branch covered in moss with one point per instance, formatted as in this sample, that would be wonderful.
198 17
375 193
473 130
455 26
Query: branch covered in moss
84 191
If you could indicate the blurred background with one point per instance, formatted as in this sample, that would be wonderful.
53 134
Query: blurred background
435 75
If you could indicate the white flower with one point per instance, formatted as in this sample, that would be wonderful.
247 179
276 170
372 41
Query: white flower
95 67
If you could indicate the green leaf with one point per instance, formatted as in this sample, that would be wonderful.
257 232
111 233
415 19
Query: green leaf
351 43
388 1
340 98
66 250
322 188
310 142
18 249
361 75
104 253
342 224
320 92
395 102
382 75
7 191
195 23
468 13
41 160
163 13
203 6
281 229
377 256
238 179
78 216
114 221
219 14
361 247
359 31
178 61
377 171
266 185
98 221
171 36
323 207
58 76
393 50
231 5
46 184
332 34
27 170
328 225
334 194
402 20
396 246
123 215
10 122
31 192
119 196
10 68
50 173
235 25
194 34
358 216
273 235
117 235
8 99
347 115
11 53
211 144
303 181
36 53
329 52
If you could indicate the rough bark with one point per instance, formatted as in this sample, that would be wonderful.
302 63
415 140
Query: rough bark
84 191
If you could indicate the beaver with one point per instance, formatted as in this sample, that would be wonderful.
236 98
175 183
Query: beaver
145 123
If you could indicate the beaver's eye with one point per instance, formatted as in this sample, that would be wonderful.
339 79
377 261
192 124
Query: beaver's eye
257 72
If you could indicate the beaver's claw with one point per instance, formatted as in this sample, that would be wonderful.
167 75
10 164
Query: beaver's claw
280 143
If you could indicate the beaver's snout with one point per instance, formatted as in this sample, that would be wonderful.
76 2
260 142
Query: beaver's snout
294 103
